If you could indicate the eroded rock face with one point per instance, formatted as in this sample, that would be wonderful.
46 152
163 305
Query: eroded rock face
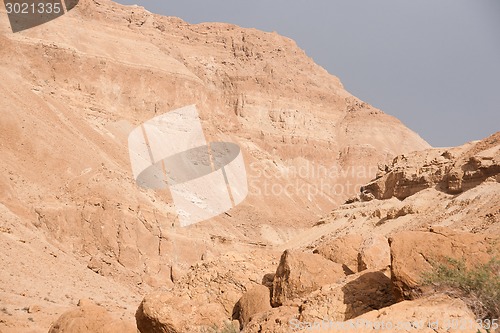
357 254
452 171
90 318
414 252
276 320
253 88
254 301
432 314
299 274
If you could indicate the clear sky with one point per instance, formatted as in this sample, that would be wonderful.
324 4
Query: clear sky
434 64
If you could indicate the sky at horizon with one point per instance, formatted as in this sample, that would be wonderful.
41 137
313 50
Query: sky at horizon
435 65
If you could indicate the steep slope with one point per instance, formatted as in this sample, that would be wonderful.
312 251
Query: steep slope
72 90
368 259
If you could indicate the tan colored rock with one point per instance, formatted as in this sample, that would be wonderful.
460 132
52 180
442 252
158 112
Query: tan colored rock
267 280
34 309
343 250
205 295
299 274
254 301
176 273
411 173
155 315
162 312
86 198
90 318
358 294
86 94
434 314
412 253
375 253
276 320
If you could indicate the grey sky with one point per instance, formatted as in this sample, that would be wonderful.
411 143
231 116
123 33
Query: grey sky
433 64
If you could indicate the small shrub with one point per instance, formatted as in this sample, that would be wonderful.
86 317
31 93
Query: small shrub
479 286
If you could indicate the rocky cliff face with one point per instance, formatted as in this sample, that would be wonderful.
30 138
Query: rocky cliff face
364 263
449 170
73 89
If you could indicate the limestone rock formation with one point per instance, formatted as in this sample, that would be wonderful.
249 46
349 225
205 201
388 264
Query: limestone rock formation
425 228
437 313
209 294
74 88
298 274
74 224
155 315
414 253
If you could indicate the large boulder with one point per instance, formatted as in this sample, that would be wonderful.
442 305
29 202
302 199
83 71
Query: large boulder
90 318
256 300
299 274
343 250
413 253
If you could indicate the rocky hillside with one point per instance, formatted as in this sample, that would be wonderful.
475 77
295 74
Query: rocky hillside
75 226
364 263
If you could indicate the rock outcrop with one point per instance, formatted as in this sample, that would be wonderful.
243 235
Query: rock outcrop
414 253
451 170
209 294
411 236
432 314
90 318
276 320
254 301
356 295
73 222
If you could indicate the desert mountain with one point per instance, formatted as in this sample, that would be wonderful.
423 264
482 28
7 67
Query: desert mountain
75 225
